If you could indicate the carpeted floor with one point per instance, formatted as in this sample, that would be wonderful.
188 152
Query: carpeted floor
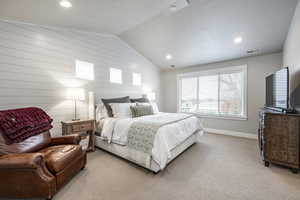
217 168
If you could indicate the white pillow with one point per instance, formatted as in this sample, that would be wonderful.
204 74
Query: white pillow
154 106
121 110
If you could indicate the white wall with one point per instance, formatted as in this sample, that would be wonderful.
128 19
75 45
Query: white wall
258 68
37 65
291 53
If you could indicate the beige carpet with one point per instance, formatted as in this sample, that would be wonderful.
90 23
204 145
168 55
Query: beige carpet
217 168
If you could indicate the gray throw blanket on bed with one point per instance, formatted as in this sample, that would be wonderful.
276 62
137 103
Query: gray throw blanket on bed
142 132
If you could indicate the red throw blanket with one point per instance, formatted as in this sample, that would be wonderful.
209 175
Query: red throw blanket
20 124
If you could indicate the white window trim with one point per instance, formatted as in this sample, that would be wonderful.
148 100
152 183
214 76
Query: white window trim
224 70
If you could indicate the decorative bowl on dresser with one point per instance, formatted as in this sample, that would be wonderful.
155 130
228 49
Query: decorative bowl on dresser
279 138
86 128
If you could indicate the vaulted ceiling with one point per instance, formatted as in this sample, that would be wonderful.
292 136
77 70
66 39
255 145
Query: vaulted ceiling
201 33
204 32
104 16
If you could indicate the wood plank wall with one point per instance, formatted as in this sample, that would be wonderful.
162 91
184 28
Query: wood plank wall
37 66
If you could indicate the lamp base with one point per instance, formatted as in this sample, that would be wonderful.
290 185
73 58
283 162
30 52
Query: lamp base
75 120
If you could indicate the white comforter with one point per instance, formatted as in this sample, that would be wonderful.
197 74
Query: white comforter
167 138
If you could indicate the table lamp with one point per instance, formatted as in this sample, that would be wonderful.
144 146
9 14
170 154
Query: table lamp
76 94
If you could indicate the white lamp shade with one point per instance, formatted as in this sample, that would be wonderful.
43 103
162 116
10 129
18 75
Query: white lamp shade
146 90
76 94
151 96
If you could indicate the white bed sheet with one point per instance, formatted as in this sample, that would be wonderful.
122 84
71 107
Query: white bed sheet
167 138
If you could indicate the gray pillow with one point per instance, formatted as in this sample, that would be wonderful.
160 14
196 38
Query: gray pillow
106 103
140 100
141 110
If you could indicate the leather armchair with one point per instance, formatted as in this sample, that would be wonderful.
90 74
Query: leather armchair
47 164
69 139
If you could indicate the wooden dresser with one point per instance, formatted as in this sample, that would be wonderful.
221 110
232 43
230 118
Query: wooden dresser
279 139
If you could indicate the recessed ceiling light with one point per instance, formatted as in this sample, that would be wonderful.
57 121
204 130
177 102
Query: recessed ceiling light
169 57
238 40
65 4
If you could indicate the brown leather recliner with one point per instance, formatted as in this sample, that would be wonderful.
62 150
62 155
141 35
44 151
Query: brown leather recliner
39 166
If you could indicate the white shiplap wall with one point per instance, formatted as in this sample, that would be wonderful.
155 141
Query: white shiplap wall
37 66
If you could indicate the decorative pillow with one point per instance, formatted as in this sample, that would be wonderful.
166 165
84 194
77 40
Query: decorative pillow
140 100
153 104
106 103
121 110
141 110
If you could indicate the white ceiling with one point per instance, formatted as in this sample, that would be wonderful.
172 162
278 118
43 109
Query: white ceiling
204 32
201 33
104 16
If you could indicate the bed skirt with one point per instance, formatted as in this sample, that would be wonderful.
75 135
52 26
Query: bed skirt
141 158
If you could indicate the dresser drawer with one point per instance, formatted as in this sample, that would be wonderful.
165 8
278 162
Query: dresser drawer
82 127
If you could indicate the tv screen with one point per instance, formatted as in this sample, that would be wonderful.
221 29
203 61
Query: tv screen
277 89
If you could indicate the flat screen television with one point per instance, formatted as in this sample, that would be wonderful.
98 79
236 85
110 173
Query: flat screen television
277 90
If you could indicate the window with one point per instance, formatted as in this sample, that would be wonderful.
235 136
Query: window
84 70
216 93
115 75
189 95
136 79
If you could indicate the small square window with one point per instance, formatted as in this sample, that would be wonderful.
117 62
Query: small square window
115 75
136 79
84 70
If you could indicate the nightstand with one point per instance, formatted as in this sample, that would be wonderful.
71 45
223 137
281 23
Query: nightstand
82 127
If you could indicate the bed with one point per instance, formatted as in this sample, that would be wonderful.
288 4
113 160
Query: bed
151 141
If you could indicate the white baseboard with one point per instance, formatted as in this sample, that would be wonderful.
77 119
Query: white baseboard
231 133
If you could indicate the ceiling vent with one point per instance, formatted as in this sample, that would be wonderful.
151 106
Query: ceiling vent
179 5
252 51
